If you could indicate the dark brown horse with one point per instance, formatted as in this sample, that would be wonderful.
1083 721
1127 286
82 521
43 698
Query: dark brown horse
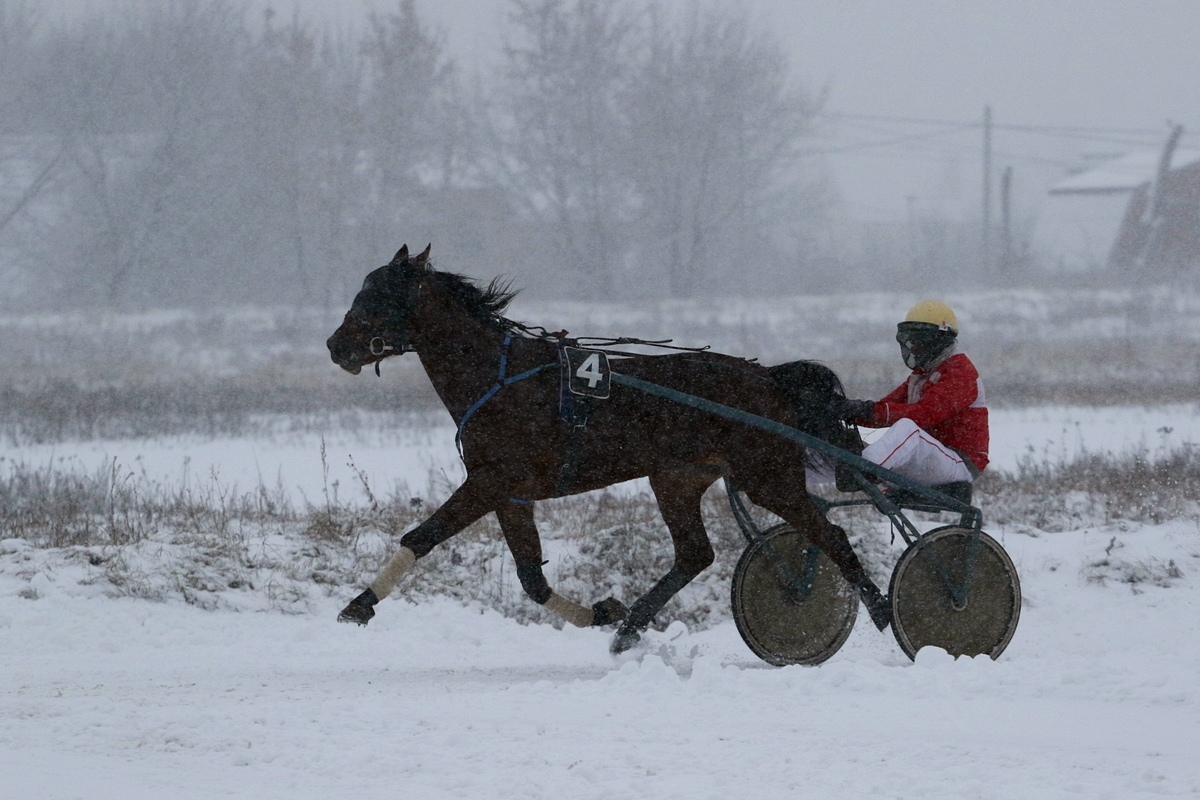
501 382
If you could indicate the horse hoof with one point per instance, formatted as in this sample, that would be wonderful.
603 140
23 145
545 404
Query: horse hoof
358 614
624 640
359 611
608 611
881 616
878 606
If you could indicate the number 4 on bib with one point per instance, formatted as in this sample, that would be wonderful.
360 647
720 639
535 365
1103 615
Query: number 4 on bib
587 372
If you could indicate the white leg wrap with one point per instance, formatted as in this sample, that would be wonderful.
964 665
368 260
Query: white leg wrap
390 575
573 613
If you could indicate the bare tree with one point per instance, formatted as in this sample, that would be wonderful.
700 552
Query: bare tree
208 160
205 159
141 102
25 167
564 127
714 128
18 21
293 157
657 151
414 137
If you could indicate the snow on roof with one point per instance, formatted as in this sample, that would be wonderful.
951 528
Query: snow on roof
1123 174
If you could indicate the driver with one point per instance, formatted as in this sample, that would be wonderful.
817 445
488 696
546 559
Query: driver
937 420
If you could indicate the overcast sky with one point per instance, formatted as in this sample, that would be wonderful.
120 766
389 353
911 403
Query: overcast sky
1094 65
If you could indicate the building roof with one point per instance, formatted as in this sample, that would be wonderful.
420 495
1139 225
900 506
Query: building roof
1123 174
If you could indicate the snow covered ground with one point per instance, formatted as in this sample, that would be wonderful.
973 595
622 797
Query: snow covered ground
1097 696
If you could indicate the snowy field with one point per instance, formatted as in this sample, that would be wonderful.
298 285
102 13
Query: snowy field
411 457
1097 696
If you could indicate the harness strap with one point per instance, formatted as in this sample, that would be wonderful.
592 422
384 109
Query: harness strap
504 355
570 463
501 382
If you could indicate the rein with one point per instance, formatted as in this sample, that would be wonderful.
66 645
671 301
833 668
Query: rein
600 343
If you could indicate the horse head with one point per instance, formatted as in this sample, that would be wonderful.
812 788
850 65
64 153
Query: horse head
377 324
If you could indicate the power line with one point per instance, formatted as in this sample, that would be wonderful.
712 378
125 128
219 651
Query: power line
941 142
1022 127
1118 141
935 151
916 137
932 144
926 144
1061 132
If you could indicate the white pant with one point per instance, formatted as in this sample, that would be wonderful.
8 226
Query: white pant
908 450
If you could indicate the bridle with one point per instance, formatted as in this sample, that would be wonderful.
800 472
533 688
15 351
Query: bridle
379 347
393 337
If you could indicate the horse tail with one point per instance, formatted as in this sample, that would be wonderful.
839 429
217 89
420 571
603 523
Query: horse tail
811 388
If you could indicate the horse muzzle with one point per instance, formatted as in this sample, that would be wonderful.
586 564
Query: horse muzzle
354 345
346 355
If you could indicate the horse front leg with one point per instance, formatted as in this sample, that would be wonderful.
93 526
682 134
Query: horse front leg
525 544
468 503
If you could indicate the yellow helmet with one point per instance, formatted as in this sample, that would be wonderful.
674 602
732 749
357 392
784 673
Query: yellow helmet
934 312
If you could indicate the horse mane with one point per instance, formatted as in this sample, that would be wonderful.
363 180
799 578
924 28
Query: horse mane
484 304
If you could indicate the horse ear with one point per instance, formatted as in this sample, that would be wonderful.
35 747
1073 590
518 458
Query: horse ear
401 255
423 258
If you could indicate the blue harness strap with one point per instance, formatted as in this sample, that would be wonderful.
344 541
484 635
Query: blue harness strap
501 382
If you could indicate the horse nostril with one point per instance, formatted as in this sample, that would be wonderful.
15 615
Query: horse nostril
337 350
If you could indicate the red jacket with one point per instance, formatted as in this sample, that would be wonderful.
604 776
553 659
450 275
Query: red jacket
945 399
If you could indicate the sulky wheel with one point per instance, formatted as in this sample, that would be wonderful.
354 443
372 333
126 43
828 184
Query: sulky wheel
956 589
790 602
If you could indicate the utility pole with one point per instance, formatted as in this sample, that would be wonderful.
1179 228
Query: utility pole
1006 253
985 250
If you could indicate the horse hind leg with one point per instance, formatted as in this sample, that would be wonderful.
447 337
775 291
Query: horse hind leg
768 488
678 493
525 544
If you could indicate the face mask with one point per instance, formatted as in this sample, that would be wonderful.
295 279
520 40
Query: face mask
921 344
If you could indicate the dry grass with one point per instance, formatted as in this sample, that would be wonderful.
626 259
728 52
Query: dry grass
211 546
61 410
1113 567
1096 489
70 409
